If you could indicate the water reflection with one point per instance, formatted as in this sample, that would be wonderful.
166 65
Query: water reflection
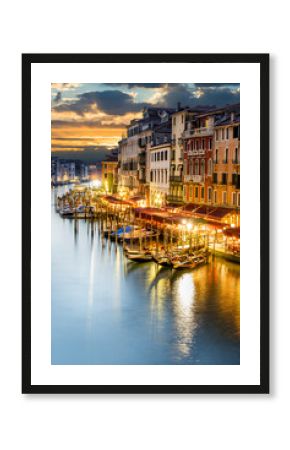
183 305
108 310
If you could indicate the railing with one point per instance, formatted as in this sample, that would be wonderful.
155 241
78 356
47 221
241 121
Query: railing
175 178
174 199
196 152
203 131
194 178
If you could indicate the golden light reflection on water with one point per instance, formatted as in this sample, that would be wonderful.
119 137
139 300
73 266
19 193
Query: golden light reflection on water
183 305
210 293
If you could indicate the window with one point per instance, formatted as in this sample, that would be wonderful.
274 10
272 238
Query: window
161 175
209 167
202 144
235 160
165 155
234 199
227 133
215 196
224 197
161 156
190 167
182 118
165 176
236 180
202 192
196 167
215 178
174 121
223 134
236 132
158 156
151 175
209 192
210 144
226 155
238 199
196 192
216 135
216 156
190 191
202 167
224 178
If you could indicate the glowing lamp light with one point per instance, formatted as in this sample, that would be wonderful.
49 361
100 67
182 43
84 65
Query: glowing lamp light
189 226
96 183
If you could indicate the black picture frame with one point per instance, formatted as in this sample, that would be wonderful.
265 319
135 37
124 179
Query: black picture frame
263 61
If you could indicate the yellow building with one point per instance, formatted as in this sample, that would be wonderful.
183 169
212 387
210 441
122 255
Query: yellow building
110 175
226 162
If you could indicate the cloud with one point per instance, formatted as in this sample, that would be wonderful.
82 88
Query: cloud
58 97
138 85
112 102
199 94
64 86
86 123
215 85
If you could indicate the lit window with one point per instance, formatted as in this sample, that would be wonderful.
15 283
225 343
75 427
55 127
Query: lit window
224 197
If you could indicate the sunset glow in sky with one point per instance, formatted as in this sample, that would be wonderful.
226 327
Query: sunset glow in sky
92 117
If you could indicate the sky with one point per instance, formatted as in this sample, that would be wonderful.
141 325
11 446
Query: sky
88 120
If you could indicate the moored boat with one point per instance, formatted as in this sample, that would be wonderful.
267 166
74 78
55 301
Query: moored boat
190 262
139 257
67 212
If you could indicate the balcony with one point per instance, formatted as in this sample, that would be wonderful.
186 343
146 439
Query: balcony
193 178
198 132
196 152
175 179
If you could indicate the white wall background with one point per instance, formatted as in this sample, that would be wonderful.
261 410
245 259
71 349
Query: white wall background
142 422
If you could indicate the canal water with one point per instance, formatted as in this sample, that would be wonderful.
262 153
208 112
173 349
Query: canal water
107 310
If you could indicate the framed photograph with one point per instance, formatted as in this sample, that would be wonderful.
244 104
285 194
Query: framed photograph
145 250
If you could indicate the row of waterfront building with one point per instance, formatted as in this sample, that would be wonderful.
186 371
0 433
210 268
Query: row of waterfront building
65 171
172 157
